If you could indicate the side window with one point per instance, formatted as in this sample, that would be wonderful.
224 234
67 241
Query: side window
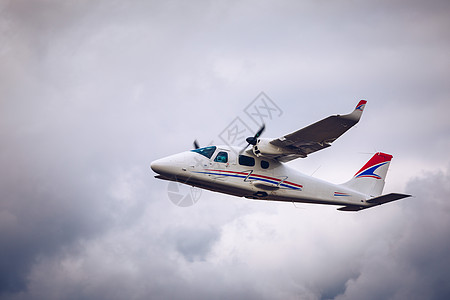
264 164
246 160
221 157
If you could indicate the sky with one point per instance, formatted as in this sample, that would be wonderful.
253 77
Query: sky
92 91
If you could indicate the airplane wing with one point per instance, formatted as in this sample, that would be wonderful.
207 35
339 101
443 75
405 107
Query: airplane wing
316 136
376 201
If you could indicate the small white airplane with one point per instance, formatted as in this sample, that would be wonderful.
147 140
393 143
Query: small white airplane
261 172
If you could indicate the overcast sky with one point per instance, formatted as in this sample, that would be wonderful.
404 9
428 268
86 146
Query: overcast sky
92 91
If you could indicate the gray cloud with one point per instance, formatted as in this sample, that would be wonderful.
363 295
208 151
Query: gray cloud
414 263
196 243
390 252
92 91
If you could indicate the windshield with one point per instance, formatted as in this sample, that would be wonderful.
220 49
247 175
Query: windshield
206 151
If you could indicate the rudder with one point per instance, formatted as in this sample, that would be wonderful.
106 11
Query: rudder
370 179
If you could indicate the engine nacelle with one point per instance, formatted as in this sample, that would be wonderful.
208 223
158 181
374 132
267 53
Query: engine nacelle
264 147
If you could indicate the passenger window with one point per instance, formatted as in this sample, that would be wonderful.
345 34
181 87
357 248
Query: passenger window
246 160
221 157
264 164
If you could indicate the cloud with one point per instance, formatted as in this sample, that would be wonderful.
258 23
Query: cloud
395 251
42 212
414 263
92 91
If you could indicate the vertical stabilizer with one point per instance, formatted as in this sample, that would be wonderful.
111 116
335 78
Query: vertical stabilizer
371 177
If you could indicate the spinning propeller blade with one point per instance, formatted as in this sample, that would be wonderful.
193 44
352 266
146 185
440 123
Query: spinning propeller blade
253 140
196 145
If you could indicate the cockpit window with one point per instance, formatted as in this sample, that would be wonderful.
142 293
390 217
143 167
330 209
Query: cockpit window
206 151
221 157
246 160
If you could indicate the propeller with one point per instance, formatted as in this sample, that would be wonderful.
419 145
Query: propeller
253 140
196 145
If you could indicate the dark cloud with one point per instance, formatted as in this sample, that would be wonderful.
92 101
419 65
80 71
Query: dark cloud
414 263
43 211
195 244
92 91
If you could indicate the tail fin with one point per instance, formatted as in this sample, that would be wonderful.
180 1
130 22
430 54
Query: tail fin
371 177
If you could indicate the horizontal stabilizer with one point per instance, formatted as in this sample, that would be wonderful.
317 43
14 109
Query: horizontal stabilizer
351 208
387 198
376 201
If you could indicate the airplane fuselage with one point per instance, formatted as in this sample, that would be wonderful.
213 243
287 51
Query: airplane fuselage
249 176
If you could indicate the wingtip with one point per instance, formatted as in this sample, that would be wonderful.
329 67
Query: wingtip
360 105
356 114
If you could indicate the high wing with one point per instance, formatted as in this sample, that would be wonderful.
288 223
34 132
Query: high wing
316 136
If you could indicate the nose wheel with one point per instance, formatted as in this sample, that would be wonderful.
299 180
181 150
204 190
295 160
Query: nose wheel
260 194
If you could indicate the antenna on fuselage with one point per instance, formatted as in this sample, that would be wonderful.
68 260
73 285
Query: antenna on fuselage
297 207
315 170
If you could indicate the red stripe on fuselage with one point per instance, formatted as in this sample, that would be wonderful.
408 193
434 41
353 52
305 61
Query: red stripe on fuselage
257 175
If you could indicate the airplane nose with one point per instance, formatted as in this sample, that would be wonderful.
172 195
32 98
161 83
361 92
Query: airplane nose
171 165
158 166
